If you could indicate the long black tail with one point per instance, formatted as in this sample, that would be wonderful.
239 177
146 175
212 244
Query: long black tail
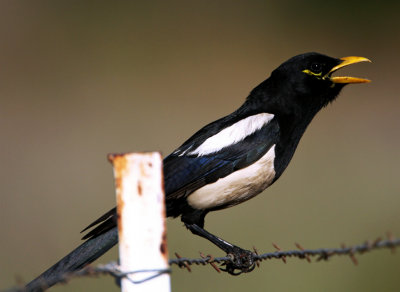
83 255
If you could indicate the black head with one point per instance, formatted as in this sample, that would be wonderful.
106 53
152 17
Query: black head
304 84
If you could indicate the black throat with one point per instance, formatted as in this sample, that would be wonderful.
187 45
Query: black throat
292 114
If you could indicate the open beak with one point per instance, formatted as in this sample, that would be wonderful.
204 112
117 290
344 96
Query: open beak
346 79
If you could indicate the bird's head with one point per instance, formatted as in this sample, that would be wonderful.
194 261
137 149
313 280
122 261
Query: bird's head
306 82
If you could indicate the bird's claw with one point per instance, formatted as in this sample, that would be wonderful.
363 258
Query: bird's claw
242 261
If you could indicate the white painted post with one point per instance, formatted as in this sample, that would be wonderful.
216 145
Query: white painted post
141 220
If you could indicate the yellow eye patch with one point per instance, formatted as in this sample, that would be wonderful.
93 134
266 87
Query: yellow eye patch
309 72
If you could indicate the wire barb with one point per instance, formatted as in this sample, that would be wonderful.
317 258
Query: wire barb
210 260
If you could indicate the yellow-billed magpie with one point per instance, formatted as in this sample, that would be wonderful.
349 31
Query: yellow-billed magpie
236 157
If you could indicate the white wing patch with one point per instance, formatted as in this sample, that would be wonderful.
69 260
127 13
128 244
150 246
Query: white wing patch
237 187
232 134
182 152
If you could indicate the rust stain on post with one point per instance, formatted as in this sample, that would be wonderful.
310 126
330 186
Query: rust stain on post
163 245
119 163
120 207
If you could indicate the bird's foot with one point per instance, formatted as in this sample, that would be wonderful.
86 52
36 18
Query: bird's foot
243 261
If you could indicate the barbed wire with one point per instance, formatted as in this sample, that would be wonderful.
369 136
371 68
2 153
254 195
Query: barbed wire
301 253
113 269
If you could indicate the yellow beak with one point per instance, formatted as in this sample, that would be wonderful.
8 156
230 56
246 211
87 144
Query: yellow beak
346 79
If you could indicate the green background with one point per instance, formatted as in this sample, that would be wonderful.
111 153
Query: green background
80 79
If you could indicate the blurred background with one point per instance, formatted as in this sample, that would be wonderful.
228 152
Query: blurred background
80 79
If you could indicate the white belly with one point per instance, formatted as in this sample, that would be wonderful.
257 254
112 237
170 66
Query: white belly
237 187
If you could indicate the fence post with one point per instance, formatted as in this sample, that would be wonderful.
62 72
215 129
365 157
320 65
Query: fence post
141 221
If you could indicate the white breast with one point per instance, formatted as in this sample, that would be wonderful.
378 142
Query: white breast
237 187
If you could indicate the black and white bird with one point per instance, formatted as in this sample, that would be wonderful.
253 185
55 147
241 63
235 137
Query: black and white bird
235 158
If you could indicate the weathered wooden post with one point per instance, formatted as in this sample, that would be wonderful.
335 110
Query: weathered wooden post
141 221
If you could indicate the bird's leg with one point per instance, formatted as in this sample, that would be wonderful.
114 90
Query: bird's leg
243 260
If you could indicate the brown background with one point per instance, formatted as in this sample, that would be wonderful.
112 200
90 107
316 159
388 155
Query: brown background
80 79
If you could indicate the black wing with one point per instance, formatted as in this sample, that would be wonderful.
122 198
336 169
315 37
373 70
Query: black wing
183 174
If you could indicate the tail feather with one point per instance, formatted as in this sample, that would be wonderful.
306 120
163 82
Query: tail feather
108 224
83 255
110 214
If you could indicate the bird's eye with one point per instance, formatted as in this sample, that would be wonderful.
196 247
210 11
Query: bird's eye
316 68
